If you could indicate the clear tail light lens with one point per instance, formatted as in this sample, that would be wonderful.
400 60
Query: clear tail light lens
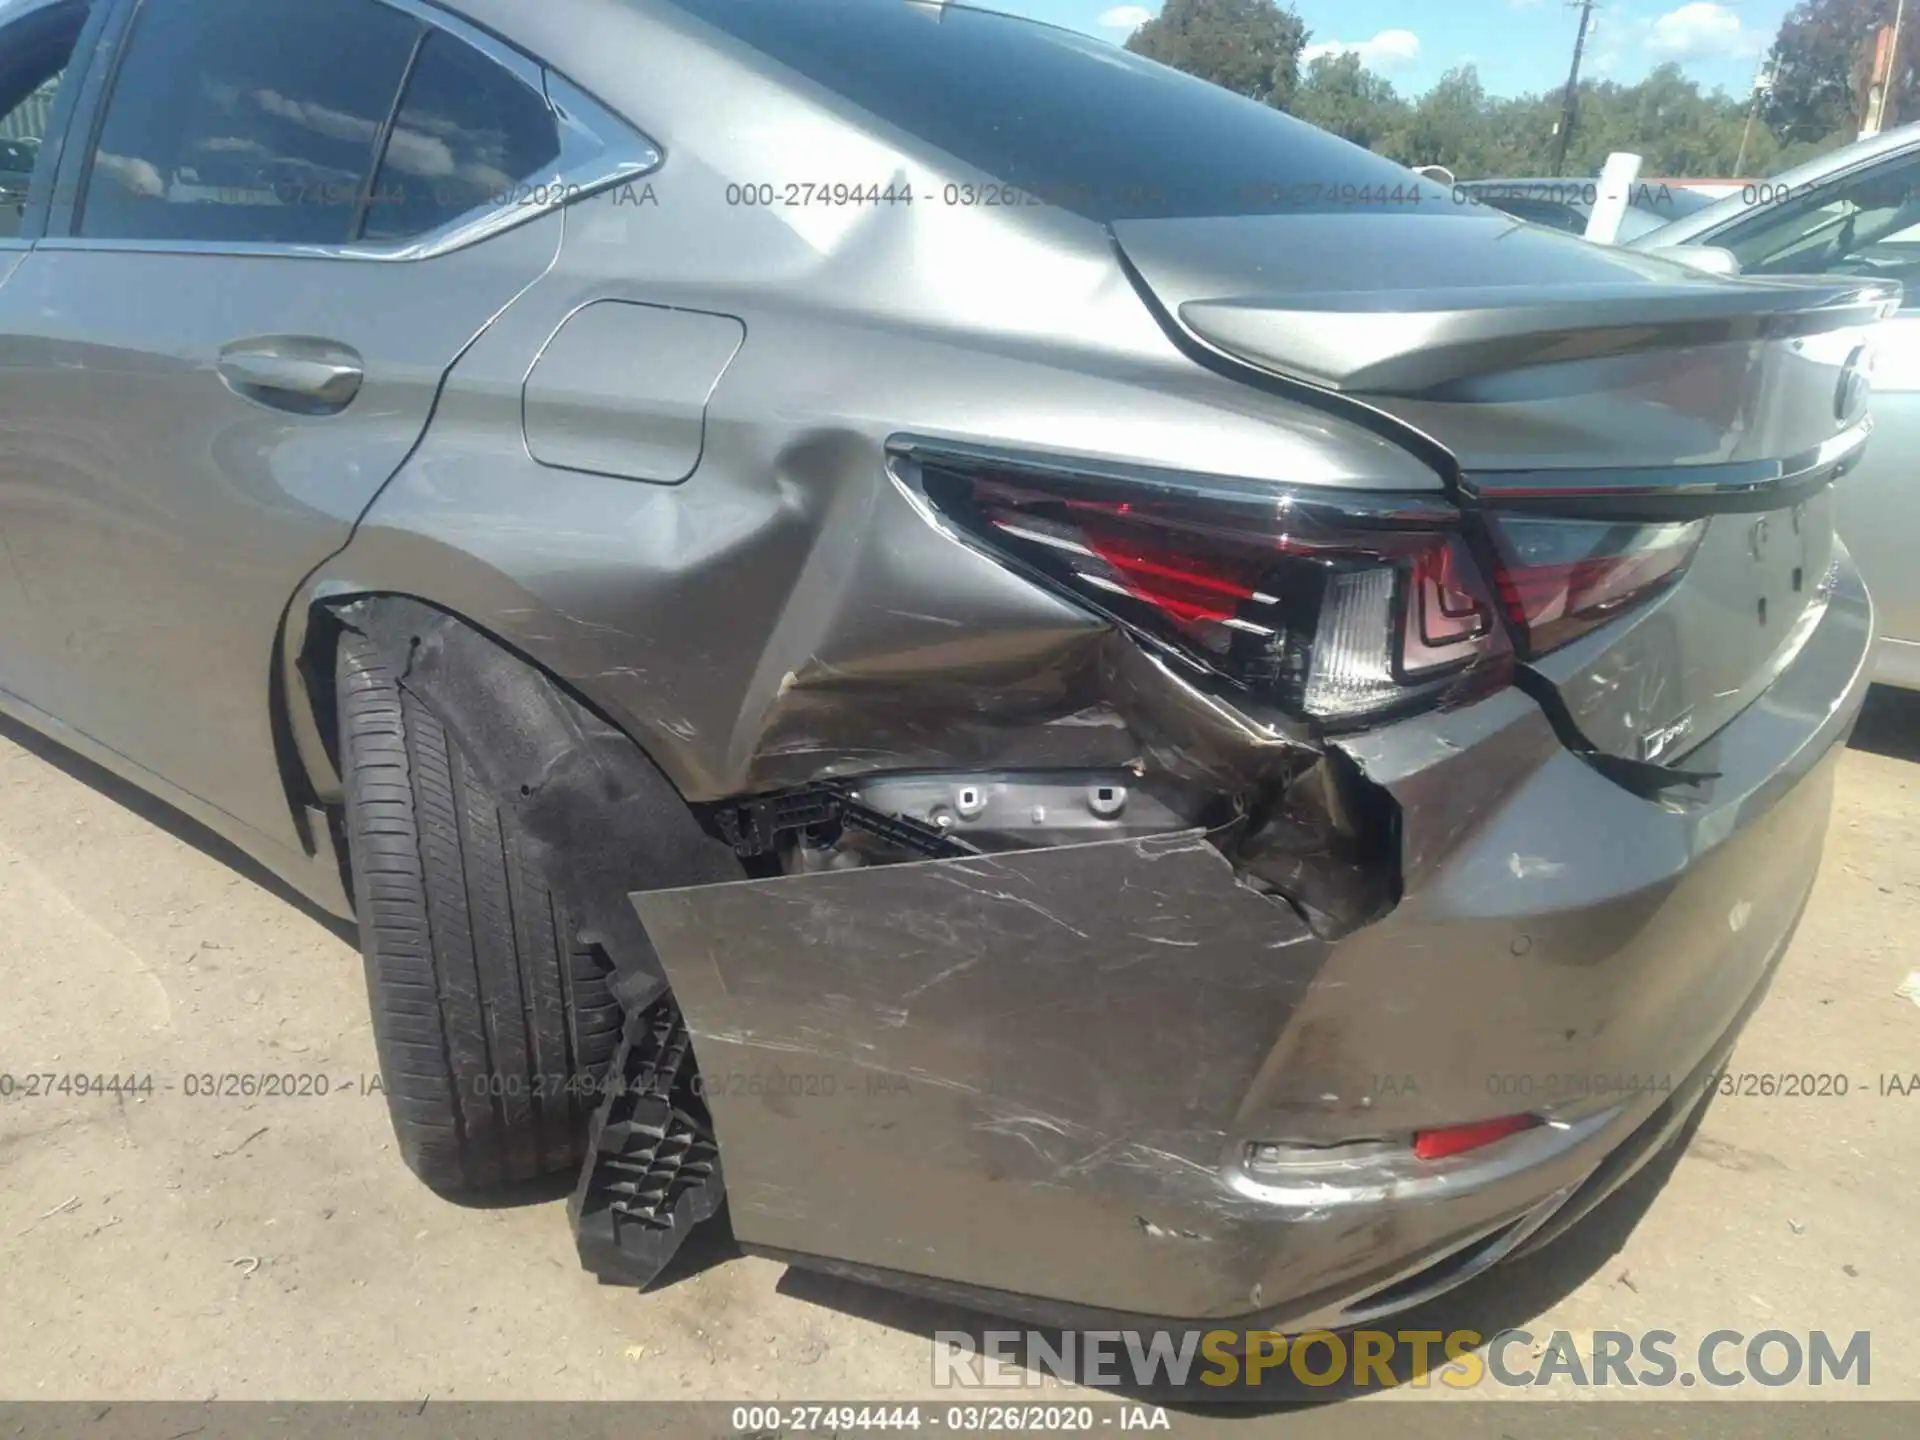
1558 579
1334 615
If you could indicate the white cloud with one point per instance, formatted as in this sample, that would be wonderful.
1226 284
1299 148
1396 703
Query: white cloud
1126 17
1701 31
1385 51
1610 38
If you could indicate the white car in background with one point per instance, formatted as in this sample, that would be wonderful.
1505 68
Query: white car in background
1853 211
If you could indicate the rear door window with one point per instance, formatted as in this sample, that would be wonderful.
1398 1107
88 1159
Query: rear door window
308 122
242 121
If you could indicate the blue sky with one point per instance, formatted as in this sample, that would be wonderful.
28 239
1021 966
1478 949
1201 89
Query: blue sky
1519 45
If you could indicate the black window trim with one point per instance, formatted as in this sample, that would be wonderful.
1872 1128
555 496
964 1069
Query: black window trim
384 139
33 218
598 151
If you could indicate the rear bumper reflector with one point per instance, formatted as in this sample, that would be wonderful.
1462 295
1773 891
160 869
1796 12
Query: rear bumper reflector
1456 1139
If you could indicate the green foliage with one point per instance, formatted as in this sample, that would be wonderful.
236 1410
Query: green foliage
1252 47
1664 118
1451 125
1820 62
1342 96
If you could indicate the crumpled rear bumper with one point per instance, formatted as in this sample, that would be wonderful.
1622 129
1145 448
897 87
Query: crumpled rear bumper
1110 1080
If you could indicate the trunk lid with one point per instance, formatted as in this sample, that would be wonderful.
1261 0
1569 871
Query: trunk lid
1567 379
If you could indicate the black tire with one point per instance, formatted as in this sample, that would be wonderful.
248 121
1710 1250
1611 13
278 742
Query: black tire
493 1024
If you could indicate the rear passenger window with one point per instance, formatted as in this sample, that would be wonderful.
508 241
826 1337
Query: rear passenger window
1064 118
470 136
237 120
319 122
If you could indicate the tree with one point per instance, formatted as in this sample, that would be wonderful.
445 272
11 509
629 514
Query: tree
1448 126
1677 130
1822 61
1670 123
1341 95
1251 47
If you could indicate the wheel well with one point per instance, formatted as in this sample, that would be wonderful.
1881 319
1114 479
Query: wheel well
600 817
312 800
319 650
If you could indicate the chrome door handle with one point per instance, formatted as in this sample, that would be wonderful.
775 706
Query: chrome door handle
292 372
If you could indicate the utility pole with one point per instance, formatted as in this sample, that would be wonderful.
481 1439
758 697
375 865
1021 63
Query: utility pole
1570 103
1762 86
1889 95
1883 75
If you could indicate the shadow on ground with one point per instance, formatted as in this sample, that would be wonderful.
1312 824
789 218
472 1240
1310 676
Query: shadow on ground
177 823
1890 723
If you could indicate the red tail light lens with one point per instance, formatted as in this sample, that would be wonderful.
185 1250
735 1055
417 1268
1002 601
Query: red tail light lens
1558 579
1336 613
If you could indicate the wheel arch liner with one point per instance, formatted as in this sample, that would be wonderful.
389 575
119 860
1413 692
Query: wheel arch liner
597 812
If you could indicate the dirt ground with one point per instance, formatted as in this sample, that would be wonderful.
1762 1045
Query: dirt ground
185 1248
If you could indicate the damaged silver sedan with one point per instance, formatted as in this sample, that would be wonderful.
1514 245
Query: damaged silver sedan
1068 692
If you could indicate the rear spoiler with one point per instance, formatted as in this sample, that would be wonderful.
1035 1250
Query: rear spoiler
1401 342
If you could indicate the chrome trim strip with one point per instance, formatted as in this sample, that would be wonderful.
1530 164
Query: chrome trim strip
1400 1179
489 45
1528 1150
598 152
1447 1272
1748 485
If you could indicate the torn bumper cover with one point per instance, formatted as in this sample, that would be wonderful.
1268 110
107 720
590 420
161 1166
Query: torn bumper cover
1111 1079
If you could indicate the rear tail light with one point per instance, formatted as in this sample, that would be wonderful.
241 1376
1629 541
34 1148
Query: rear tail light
1558 579
1336 612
